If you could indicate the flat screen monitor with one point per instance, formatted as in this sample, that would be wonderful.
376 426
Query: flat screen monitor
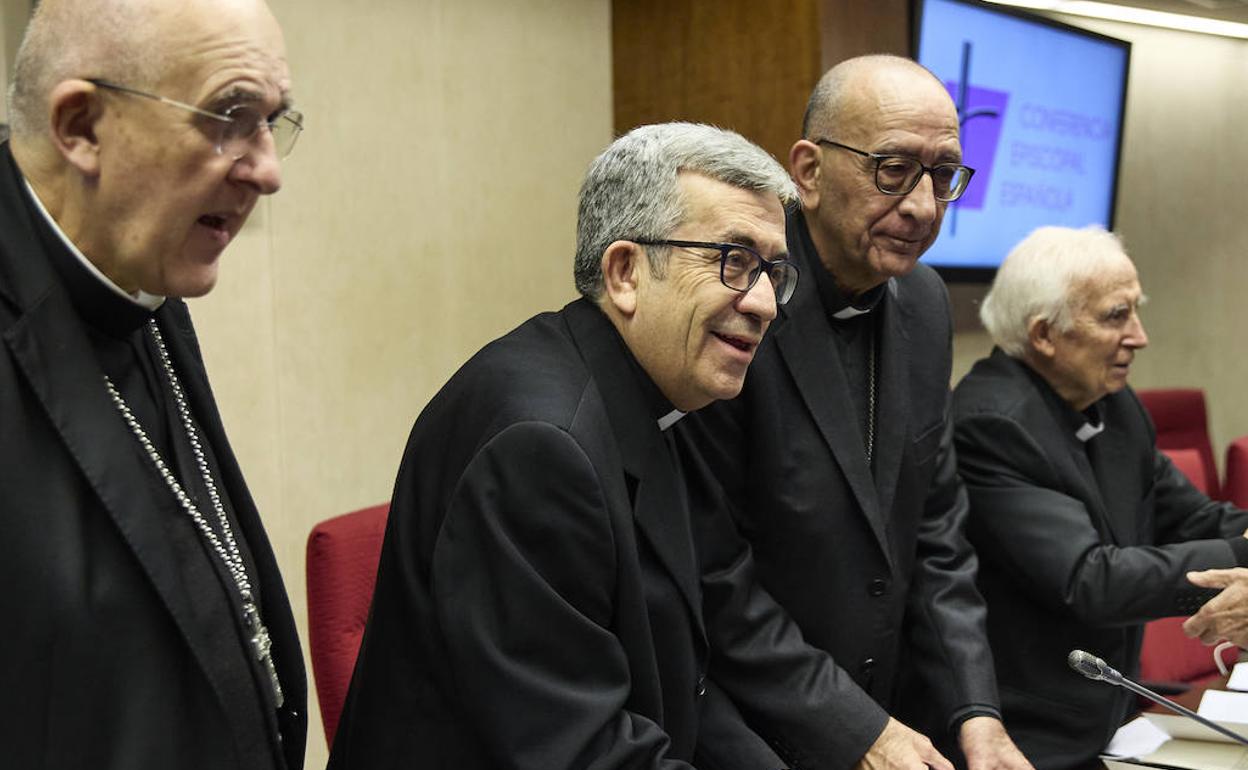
1041 106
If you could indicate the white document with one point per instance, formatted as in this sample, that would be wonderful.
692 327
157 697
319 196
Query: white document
1173 741
1222 706
1239 677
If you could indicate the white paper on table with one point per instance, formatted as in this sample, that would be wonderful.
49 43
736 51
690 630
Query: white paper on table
1239 677
1188 729
1136 739
1199 755
1222 706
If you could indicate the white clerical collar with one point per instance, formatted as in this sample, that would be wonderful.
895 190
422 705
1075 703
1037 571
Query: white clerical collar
141 298
1088 430
849 311
670 419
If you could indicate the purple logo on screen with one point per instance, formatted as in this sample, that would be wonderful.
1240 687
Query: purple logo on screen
981 112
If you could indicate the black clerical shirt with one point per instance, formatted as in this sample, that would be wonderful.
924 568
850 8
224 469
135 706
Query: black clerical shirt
855 330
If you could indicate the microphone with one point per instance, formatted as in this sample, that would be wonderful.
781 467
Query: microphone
1096 669
1093 667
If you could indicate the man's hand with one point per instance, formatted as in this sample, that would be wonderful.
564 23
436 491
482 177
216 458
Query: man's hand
1225 616
988 747
900 748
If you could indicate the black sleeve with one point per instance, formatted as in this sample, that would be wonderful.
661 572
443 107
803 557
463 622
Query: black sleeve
523 582
1046 542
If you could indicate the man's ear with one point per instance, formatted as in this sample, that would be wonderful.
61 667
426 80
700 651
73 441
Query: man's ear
621 264
1040 333
804 167
74 109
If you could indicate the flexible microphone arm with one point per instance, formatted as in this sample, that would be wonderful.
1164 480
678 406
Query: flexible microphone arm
1094 668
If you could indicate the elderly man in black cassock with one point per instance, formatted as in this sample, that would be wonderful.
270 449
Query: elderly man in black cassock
1085 530
146 624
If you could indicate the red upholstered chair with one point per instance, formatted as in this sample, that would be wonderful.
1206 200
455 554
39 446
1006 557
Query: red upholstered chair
342 571
1236 487
1169 658
1182 423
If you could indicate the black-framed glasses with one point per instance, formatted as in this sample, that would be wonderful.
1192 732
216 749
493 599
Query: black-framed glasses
231 131
898 174
740 266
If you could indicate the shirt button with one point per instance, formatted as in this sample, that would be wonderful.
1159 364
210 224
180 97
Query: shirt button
867 666
877 587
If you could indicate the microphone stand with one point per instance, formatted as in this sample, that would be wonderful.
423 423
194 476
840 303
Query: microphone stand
1094 668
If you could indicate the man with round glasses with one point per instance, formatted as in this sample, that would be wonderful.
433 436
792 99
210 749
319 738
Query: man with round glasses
146 622
837 457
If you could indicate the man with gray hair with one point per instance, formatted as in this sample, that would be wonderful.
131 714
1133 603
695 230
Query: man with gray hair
538 601
1085 530
146 624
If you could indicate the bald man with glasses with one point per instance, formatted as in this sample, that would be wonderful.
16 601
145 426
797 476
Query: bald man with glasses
146 623
837 458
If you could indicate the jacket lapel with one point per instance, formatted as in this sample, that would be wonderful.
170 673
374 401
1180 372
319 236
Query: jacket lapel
1069 452
804 343
660 504
893 404
52 353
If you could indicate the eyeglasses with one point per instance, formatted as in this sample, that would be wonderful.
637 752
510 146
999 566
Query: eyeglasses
740 266
898 175
233 130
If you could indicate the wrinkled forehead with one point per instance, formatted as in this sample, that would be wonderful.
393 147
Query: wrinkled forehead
1111 278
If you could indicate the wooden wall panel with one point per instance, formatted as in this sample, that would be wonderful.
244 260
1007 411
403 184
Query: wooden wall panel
740 64
850 28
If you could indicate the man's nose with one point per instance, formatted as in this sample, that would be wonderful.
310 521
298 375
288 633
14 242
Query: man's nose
920 202
760 299
259 167
1136 336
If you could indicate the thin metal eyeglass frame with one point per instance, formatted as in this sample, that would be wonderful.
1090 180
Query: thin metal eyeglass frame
724 249
923 169
220 146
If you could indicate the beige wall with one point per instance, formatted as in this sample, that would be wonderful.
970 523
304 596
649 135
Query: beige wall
429 207
1183 215
13 15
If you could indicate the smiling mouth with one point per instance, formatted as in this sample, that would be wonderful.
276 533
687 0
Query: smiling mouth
212 221
737 342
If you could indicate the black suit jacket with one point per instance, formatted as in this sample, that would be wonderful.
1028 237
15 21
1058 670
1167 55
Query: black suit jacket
873 568
1078 548
537 602
119 647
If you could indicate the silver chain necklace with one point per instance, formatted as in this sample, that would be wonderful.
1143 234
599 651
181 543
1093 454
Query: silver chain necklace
227 551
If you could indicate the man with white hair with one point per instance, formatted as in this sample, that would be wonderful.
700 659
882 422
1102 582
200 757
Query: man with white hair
146 624
1084 529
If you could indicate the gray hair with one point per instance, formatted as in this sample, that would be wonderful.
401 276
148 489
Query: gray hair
632 192
1039 278
66 39
830 96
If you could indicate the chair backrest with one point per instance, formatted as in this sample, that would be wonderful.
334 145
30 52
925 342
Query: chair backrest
1182 423
1168 655
342 570
1236 487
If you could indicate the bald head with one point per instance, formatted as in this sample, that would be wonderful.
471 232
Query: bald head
841 88
127 41
79 38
